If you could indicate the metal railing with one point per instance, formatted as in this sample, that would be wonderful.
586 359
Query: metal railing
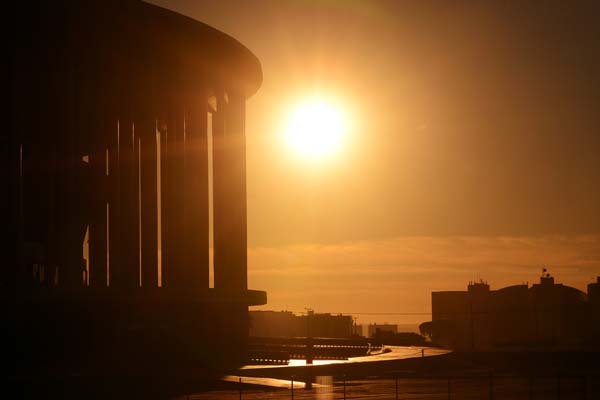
405 386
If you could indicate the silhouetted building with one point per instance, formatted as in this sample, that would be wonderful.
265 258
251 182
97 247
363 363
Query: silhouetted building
287 324
357 330
545 314
113 103
594 300
372 329
328 325
276 324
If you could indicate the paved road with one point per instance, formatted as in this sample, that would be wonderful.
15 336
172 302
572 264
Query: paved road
394 353
391 353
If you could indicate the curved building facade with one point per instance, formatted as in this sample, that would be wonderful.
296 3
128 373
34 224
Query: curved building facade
117 109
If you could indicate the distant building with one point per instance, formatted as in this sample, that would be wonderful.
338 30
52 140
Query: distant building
288 324
276 324
594 300
408 328
328 325
545 314
374 328
357 330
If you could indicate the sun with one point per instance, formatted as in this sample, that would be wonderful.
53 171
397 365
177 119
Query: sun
316 129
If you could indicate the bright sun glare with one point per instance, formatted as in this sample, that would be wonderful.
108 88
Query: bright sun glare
316 129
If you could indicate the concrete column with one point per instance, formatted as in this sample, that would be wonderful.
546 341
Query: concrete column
146 129
165 209
173 193
69 203
124 272
229 160
195 197
98 187
219 195
114 195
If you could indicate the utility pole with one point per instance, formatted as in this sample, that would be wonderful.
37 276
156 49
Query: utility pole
309 344
309 347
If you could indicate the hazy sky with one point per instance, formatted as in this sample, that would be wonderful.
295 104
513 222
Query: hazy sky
474 150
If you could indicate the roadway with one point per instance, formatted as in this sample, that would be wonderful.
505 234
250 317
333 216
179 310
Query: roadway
389 353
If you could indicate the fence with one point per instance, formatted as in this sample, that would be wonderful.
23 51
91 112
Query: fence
479 385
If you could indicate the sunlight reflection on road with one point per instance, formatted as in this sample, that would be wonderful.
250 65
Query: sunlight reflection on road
395 353
324 386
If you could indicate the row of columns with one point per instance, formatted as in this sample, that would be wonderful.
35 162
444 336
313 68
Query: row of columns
151 168
87 104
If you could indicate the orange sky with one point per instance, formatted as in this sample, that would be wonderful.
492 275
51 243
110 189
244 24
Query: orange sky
474 153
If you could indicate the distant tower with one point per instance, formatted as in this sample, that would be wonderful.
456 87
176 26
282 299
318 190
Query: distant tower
546 279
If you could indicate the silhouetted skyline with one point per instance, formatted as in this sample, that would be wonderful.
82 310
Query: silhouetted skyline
475 153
